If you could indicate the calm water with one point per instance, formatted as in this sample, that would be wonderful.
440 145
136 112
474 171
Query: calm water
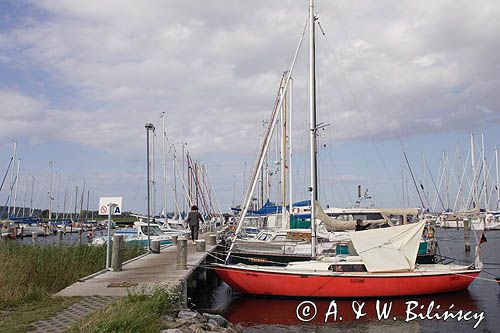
68 238
262 314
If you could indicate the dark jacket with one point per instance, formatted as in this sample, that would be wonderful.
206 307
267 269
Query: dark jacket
194 218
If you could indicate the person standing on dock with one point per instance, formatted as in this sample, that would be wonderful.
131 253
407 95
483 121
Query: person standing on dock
193 219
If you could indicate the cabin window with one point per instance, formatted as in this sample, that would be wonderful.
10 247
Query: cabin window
263 237
280 238
347 268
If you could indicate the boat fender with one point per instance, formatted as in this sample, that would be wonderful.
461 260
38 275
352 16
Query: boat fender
430 233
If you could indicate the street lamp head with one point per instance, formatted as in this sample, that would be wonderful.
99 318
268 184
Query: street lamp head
149 126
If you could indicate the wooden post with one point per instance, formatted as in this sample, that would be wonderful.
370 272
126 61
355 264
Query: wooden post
174 240
155 246
34 236
59 237
212 240
467 234
45 230
80 233
200 245
181 253
117 255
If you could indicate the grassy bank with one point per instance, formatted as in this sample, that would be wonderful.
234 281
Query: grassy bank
30 273
137 312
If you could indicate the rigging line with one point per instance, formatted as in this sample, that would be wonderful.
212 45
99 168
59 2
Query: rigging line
325 147
367 78
435 187
477 277
370 134
414 181
340 178
6 172
267 141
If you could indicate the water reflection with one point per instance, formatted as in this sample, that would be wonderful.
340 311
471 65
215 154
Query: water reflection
248 311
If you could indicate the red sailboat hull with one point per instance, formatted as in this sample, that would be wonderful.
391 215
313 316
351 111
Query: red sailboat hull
261 282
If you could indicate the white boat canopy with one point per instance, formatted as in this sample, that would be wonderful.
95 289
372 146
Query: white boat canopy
337 224
389 249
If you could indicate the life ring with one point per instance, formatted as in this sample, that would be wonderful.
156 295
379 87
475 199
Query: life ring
296 210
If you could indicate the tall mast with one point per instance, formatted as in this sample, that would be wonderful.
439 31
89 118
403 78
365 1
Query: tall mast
184 174
50 190
485 174
81 201
76 200
474 177
31 195
163 153
87 209
64 202
283 157
446 179
290 152
312 125
497 179
58 195
16 187
174 180
13 178
24 195
153 175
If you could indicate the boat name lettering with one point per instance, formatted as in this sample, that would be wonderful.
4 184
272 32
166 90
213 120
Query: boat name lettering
357 280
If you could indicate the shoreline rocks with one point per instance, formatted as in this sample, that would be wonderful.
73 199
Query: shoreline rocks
193 321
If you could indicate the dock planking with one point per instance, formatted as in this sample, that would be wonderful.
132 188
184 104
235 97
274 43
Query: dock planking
141 274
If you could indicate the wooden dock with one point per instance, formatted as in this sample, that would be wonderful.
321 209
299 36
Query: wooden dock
142 274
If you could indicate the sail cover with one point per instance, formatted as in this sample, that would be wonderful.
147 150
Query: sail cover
389 249
337 224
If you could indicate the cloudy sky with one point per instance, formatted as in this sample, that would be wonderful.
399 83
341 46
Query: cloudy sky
78 80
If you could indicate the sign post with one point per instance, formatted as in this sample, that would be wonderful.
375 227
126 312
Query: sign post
111 206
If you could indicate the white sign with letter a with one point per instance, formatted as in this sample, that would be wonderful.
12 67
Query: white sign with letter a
104 202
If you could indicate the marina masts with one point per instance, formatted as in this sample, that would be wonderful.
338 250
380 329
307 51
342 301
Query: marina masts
263 151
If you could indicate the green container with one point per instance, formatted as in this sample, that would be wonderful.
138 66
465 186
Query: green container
422 249
299 223
341 249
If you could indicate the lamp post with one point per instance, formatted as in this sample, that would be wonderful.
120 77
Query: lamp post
149 127
111 207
